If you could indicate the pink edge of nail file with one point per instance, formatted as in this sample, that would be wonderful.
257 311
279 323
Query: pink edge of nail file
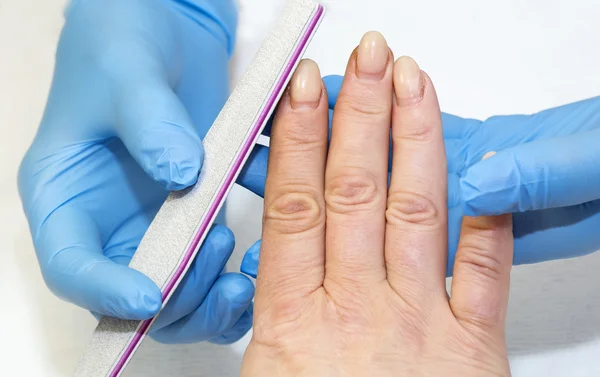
182 223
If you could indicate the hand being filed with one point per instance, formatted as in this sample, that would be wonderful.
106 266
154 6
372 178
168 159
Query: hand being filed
352 271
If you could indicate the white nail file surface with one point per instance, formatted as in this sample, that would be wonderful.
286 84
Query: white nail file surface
182 223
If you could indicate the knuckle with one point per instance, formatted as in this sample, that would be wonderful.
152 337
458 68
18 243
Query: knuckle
476 255
364 102
418 128
406 207
298 136
351 192
294 211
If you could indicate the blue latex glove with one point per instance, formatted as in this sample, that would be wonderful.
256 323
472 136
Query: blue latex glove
546 171
137 84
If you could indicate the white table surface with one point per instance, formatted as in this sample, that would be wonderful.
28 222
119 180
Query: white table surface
485 58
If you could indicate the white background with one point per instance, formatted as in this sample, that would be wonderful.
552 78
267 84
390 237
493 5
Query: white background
485 58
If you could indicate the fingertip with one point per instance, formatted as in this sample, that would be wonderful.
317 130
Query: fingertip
75 268
118 291
470 194
222 238
237 289
477 202
152 303
409 82
238 331
173 158
230 297
306 87
486 191
250 262
245 321
145 299
200 278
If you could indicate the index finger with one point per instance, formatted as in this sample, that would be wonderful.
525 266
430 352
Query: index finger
293 247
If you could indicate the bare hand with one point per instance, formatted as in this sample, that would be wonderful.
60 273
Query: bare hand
352 271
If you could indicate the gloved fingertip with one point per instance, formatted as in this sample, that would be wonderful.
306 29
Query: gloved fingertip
469 195
244 324
146 307
152 304
239 289
237 332
177 171
142 308
486 190
140 299
229 298
250 262
173 158
480 200
221 238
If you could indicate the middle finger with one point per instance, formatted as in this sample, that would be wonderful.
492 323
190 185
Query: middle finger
356 174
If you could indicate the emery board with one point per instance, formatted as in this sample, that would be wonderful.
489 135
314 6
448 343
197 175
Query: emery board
174 237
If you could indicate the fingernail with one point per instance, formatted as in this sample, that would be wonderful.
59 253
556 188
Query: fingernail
372 57
307 86
408 81
488 155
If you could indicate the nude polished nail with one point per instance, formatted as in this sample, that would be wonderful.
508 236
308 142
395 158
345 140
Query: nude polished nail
488 155
408 81
372 56
307 87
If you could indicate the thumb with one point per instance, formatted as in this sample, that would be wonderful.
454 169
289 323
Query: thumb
74 267
157 131
558 172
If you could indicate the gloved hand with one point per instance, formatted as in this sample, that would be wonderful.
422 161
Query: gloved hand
137 85
546 171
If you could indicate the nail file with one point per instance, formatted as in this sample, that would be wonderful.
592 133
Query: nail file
182 223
